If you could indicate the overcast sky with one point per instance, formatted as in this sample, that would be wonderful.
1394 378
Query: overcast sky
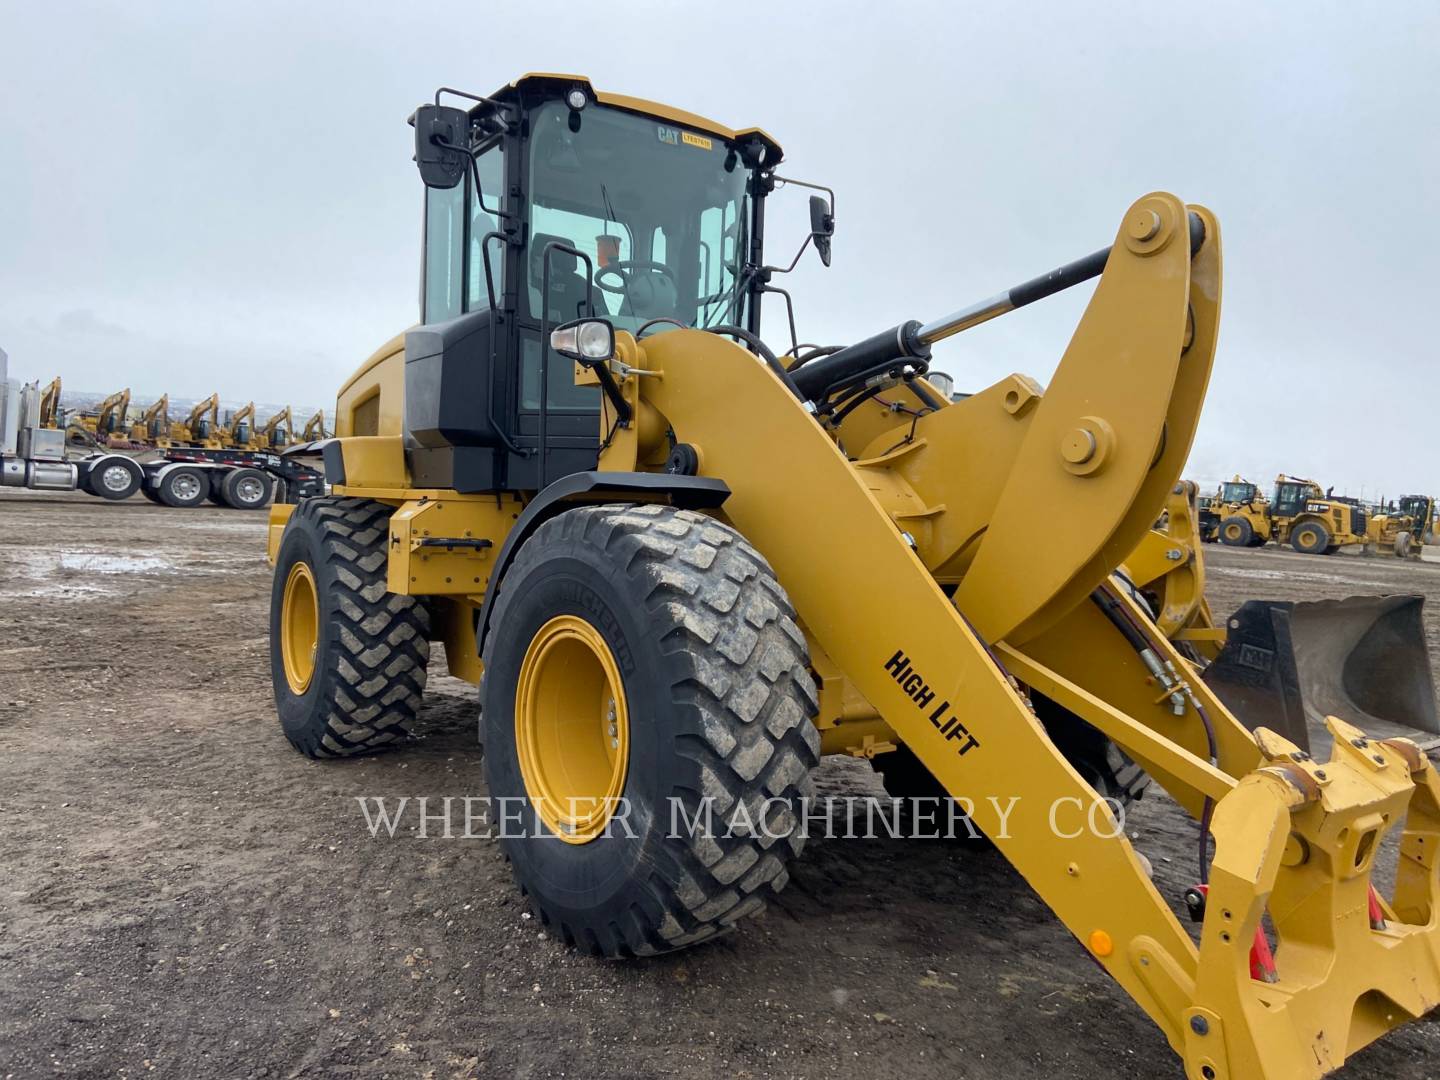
197 197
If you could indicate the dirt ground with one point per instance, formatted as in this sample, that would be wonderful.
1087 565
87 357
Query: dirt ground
182 894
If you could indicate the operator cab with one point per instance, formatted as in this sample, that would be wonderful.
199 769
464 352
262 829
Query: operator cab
577 205
1291 497
1238 492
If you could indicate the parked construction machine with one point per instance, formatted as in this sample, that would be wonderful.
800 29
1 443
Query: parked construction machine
99 426
275 433
1298 513
49 406
314 429
201 428
1406 527
1287 665
680 569
153 429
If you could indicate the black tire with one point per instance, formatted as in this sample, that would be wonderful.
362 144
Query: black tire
1237 532
114 479
183 487
715 673
1258 541
1310 538
1403 543
246 489
372 647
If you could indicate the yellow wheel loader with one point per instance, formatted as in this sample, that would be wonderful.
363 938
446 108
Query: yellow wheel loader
1298 513
681 568
1243 512
1287 665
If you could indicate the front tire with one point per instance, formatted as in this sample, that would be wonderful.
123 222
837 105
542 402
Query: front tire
114 479
347 658
1236 532
712 709
1310 538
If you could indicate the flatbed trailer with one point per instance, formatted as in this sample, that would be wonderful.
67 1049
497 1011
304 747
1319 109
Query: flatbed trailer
240 479
34 456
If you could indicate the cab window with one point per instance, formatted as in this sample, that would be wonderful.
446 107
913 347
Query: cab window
444 252
485 220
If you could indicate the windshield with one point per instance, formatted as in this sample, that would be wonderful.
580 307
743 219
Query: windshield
1239 493
1415 506
661 211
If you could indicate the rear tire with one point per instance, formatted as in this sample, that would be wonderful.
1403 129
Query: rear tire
183 487
1310 538
717 697
1236 532
365 676
246 489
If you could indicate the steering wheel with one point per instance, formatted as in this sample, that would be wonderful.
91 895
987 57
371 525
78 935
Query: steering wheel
624 268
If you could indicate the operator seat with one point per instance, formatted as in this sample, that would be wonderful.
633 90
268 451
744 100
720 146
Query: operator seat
567 283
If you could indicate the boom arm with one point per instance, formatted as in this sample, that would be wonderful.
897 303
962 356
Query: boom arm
868 548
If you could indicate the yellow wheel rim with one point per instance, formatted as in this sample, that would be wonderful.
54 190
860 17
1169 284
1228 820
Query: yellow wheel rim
572 728
1232 532
299 627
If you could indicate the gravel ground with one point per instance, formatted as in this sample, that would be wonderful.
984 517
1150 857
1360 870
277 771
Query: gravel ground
183 895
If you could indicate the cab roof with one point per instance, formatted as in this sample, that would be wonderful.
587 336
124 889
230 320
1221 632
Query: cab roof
538 79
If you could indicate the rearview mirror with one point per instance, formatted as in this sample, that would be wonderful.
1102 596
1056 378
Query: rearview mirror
442 144
822 226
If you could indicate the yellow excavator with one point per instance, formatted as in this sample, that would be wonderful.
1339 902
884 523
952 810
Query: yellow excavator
688 565
239 432
201 428
274 434
49 407
98 427
314 428
153 428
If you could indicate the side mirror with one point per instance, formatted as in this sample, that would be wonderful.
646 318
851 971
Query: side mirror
442 144
822 226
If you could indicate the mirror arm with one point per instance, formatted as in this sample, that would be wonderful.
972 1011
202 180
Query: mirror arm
445 144
830 193
496 105
793 262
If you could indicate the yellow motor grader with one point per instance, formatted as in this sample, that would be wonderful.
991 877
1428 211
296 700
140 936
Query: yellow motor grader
681 567
1406 527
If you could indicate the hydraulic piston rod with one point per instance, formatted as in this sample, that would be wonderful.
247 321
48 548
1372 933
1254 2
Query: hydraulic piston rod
1057 280
913 339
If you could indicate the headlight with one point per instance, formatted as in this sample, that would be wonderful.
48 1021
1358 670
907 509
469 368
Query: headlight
586 340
